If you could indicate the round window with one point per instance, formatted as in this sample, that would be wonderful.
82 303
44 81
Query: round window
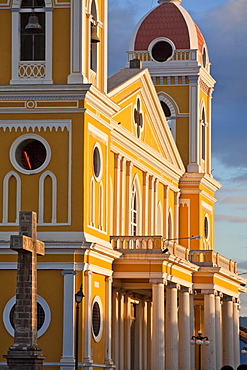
162 51
43 316
97 319
30 154
97 162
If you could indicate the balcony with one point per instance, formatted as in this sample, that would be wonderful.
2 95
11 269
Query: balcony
154 244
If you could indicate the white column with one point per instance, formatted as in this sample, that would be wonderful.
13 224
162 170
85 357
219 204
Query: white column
227 326
121 332
194 129
192 330
166 201
145 204
88 319
117 159
184 329
122 196
209 353
176 216
108 322
158 329
127 343
171 327
68 318
77 17
128 196
140 325
236 344
218 330
145 335
115 333
151 205
156 184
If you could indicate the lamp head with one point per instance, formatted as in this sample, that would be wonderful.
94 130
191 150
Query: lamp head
79 295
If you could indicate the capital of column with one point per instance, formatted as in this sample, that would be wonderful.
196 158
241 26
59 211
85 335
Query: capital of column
173 286
117 159
157 281
227 298
68 272
129 167
122 163
88 273
166 191
177 196
156 183
151 182
209 291
109 279
145 178
186 289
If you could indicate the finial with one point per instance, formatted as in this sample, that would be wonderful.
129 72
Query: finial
170 1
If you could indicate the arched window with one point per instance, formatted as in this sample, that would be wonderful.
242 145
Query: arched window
170 114
134 212
203 130
32 42
94 37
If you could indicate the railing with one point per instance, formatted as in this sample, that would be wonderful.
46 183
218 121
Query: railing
179 55
31 70
211 258
142 244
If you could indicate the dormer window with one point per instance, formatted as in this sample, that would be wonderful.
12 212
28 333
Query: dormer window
32 42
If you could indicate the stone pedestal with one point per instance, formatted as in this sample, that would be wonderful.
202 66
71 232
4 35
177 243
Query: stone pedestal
25 359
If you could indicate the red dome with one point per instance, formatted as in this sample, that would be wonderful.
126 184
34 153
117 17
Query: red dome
171 21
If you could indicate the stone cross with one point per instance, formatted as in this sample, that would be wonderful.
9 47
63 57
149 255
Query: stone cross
25 339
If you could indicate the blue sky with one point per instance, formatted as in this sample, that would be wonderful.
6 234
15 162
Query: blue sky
224 26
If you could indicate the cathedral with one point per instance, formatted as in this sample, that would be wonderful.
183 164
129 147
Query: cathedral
118 171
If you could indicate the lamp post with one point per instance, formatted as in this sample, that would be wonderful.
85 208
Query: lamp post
244 351
200 340
196 237
78 298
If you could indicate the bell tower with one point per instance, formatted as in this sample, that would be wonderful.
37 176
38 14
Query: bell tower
55 42
172 47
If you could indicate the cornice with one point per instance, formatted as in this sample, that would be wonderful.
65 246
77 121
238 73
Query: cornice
201 178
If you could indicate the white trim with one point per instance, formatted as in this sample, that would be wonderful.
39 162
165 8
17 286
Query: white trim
16 45
98 178
10 304
6 196
17 142
32 125
98 337
42 197
207 207
191 27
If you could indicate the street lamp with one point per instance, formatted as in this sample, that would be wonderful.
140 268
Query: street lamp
244 350
200 340
78 298
196 237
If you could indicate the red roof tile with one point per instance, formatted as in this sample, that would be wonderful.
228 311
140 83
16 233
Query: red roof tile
165 21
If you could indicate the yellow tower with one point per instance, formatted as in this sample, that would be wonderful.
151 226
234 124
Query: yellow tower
178 62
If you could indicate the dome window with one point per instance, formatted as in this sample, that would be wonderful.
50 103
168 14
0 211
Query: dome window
161 50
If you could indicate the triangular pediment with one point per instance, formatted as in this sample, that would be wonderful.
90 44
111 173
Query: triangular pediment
141 118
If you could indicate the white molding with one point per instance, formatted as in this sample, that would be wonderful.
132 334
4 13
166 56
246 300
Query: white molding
10 304
42 198
207 207
6 196
154 42
32 125
98 300
14 147
16 45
